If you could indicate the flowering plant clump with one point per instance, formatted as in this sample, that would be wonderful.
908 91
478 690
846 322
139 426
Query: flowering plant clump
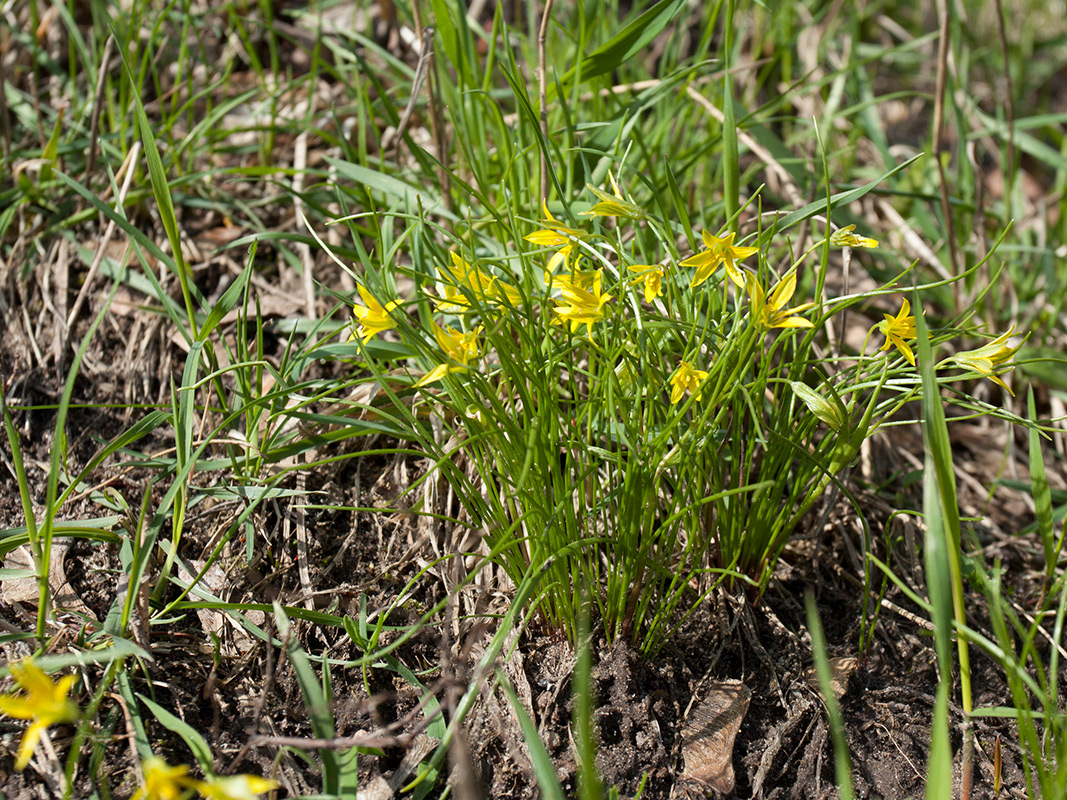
636 432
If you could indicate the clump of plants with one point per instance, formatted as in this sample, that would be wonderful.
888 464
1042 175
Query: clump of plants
633 413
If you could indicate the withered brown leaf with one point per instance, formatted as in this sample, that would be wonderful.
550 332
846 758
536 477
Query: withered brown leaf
709 734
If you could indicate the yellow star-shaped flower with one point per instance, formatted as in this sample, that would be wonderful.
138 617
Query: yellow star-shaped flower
686 379
235 787
771 312
719 251
555 234
897 329
652 276
373 317
612 205
164 782
582 305
467 283
45 702
459 349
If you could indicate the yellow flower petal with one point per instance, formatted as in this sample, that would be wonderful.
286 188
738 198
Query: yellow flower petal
898 328
28 744
684 379
719 251
435 374
45 703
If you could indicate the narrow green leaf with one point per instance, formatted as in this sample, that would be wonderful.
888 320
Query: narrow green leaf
318 709
626 44
189 734
230 297
411 196
679 206
731 168
140 737
51 150
544 769
589 783
842 760
939 766
1042 495
161 190
942 508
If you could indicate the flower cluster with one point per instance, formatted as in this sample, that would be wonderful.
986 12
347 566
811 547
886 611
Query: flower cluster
579 297
900 327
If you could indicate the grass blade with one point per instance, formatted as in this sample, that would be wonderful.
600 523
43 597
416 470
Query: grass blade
161 189
842 760
544 769
626 44
1042 495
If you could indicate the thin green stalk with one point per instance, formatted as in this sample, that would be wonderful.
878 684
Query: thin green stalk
730 164
842 761
936 439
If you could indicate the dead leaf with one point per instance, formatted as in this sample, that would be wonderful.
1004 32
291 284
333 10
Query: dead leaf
24 590
709 734
841 669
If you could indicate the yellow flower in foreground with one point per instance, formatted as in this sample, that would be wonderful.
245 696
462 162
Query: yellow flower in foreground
989 356
652 276
164 782
897 329
236 787
373 317
846 238
459 348
684 379
771 313
612 205
45 702
719 251
466 283
582 305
